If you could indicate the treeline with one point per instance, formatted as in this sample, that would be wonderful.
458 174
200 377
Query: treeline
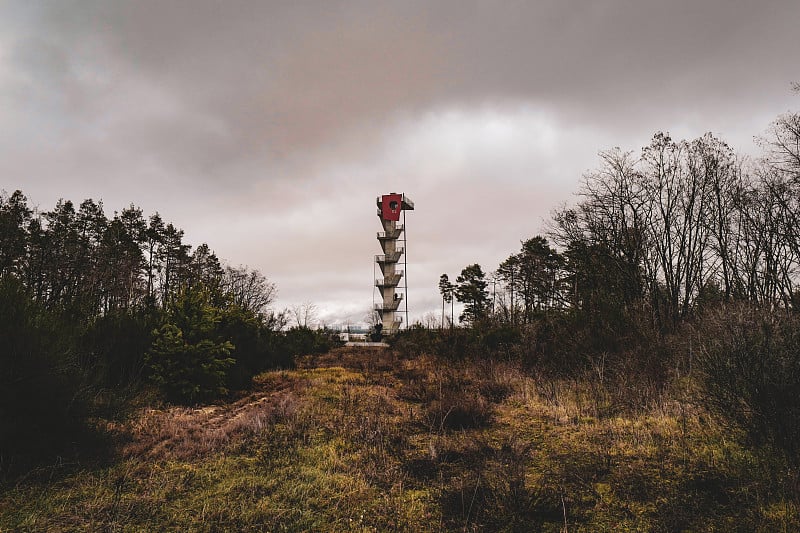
680 225
95 311
681 261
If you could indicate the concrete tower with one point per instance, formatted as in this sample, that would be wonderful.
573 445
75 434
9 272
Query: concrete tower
390 207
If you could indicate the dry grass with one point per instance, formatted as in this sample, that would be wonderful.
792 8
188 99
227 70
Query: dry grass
183 434
362 440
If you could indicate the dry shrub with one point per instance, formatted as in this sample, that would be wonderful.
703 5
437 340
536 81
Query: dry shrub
456 396
363 358
749 365
497 380
457 410
488 489
453 400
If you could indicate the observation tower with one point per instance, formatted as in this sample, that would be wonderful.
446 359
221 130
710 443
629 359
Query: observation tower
390 208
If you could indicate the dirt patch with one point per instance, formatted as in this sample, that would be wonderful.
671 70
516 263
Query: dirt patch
181 433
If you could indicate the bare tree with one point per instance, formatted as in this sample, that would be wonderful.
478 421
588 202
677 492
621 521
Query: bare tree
429 321
680 220
782 144
304 314
371 317
608 230
249 289
726 185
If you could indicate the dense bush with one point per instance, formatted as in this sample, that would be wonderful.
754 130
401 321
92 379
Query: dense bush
42 390
259 346
416 341
114 346
189 358
482 340
559 344
256 346
205 348
302 340
750 368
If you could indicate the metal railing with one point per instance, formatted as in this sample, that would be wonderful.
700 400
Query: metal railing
391 234
389 281
391 306
392 257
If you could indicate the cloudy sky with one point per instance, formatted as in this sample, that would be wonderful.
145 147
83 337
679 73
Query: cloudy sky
267 129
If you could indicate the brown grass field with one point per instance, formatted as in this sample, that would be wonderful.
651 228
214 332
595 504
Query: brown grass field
363 440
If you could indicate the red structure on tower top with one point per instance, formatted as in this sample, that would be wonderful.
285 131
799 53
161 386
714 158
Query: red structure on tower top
392 204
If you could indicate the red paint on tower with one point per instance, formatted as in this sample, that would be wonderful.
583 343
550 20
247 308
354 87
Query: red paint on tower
391 205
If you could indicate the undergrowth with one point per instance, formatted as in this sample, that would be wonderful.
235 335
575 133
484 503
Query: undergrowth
365 440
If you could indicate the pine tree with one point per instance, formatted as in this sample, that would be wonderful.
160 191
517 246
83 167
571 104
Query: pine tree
188 359
471 291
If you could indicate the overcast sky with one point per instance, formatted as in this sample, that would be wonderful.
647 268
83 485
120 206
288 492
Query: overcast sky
267 129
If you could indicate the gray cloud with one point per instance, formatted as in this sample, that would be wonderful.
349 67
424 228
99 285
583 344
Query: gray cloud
267 128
